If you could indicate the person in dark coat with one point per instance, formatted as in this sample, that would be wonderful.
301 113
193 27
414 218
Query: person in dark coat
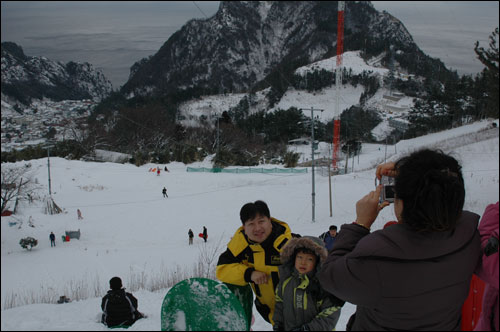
205 235
413 275
52 238
164 191
191 236
119 307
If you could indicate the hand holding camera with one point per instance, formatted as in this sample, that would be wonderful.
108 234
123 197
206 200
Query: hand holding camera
368 207
386 175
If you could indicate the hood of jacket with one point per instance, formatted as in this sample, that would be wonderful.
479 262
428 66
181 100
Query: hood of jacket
308 242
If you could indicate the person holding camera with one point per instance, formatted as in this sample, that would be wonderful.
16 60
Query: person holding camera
413 275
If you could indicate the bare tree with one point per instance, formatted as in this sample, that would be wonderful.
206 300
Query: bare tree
17 184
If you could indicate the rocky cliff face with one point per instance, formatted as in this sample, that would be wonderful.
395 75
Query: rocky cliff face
246 40
25 78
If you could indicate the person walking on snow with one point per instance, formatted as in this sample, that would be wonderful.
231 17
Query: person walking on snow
52 238
164 191
191 235
205 235
79 214
158 172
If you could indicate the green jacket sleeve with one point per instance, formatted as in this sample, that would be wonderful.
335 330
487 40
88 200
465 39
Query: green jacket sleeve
278 310
327 319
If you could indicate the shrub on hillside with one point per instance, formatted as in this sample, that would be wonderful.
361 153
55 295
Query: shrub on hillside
291 159
28 243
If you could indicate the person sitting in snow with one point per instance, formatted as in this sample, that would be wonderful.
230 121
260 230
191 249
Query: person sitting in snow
119 307
301 303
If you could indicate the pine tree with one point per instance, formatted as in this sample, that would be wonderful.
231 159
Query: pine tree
490 59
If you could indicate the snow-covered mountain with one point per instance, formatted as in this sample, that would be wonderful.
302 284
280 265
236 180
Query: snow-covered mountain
27 78
245 42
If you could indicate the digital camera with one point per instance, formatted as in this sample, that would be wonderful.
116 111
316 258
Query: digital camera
387 193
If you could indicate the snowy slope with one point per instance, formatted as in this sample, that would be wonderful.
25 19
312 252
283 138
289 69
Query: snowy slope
130 230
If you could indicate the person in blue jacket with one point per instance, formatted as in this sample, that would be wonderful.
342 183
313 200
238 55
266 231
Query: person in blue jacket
329 237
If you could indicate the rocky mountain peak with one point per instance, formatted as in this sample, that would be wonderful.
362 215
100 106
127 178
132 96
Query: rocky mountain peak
245 41
25 78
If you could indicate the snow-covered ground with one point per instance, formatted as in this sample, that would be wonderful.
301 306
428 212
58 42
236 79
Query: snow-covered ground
130 230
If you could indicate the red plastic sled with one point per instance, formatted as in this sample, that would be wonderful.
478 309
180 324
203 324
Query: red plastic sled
200 235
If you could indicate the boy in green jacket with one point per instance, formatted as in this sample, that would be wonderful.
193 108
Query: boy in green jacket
301 303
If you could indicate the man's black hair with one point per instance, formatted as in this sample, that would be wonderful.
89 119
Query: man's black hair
251 210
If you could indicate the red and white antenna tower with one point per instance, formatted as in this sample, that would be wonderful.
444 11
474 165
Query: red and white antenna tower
338 82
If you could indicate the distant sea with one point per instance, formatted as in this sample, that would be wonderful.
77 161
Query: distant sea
112 36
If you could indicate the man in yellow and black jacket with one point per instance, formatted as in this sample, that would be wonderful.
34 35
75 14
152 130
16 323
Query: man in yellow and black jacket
253 255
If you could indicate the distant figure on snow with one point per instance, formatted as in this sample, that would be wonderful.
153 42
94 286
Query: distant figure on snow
79 213
119 307
166 169
164 191
52 238
205 235
158 172
191 235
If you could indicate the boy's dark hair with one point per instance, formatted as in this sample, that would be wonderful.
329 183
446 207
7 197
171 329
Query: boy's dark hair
305 251
115 283
431 186
250 210
332 227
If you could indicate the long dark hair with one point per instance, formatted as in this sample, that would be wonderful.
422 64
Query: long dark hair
431 186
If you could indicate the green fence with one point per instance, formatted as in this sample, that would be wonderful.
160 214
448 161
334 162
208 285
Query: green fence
247 170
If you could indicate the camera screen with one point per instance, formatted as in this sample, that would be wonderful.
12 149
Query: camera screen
389 192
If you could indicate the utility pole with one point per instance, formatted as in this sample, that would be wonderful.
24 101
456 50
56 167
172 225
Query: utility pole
48 167
217 136
313 194
347 159
385 155
330 188
353 155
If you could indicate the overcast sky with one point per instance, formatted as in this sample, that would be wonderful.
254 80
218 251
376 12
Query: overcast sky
112 35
